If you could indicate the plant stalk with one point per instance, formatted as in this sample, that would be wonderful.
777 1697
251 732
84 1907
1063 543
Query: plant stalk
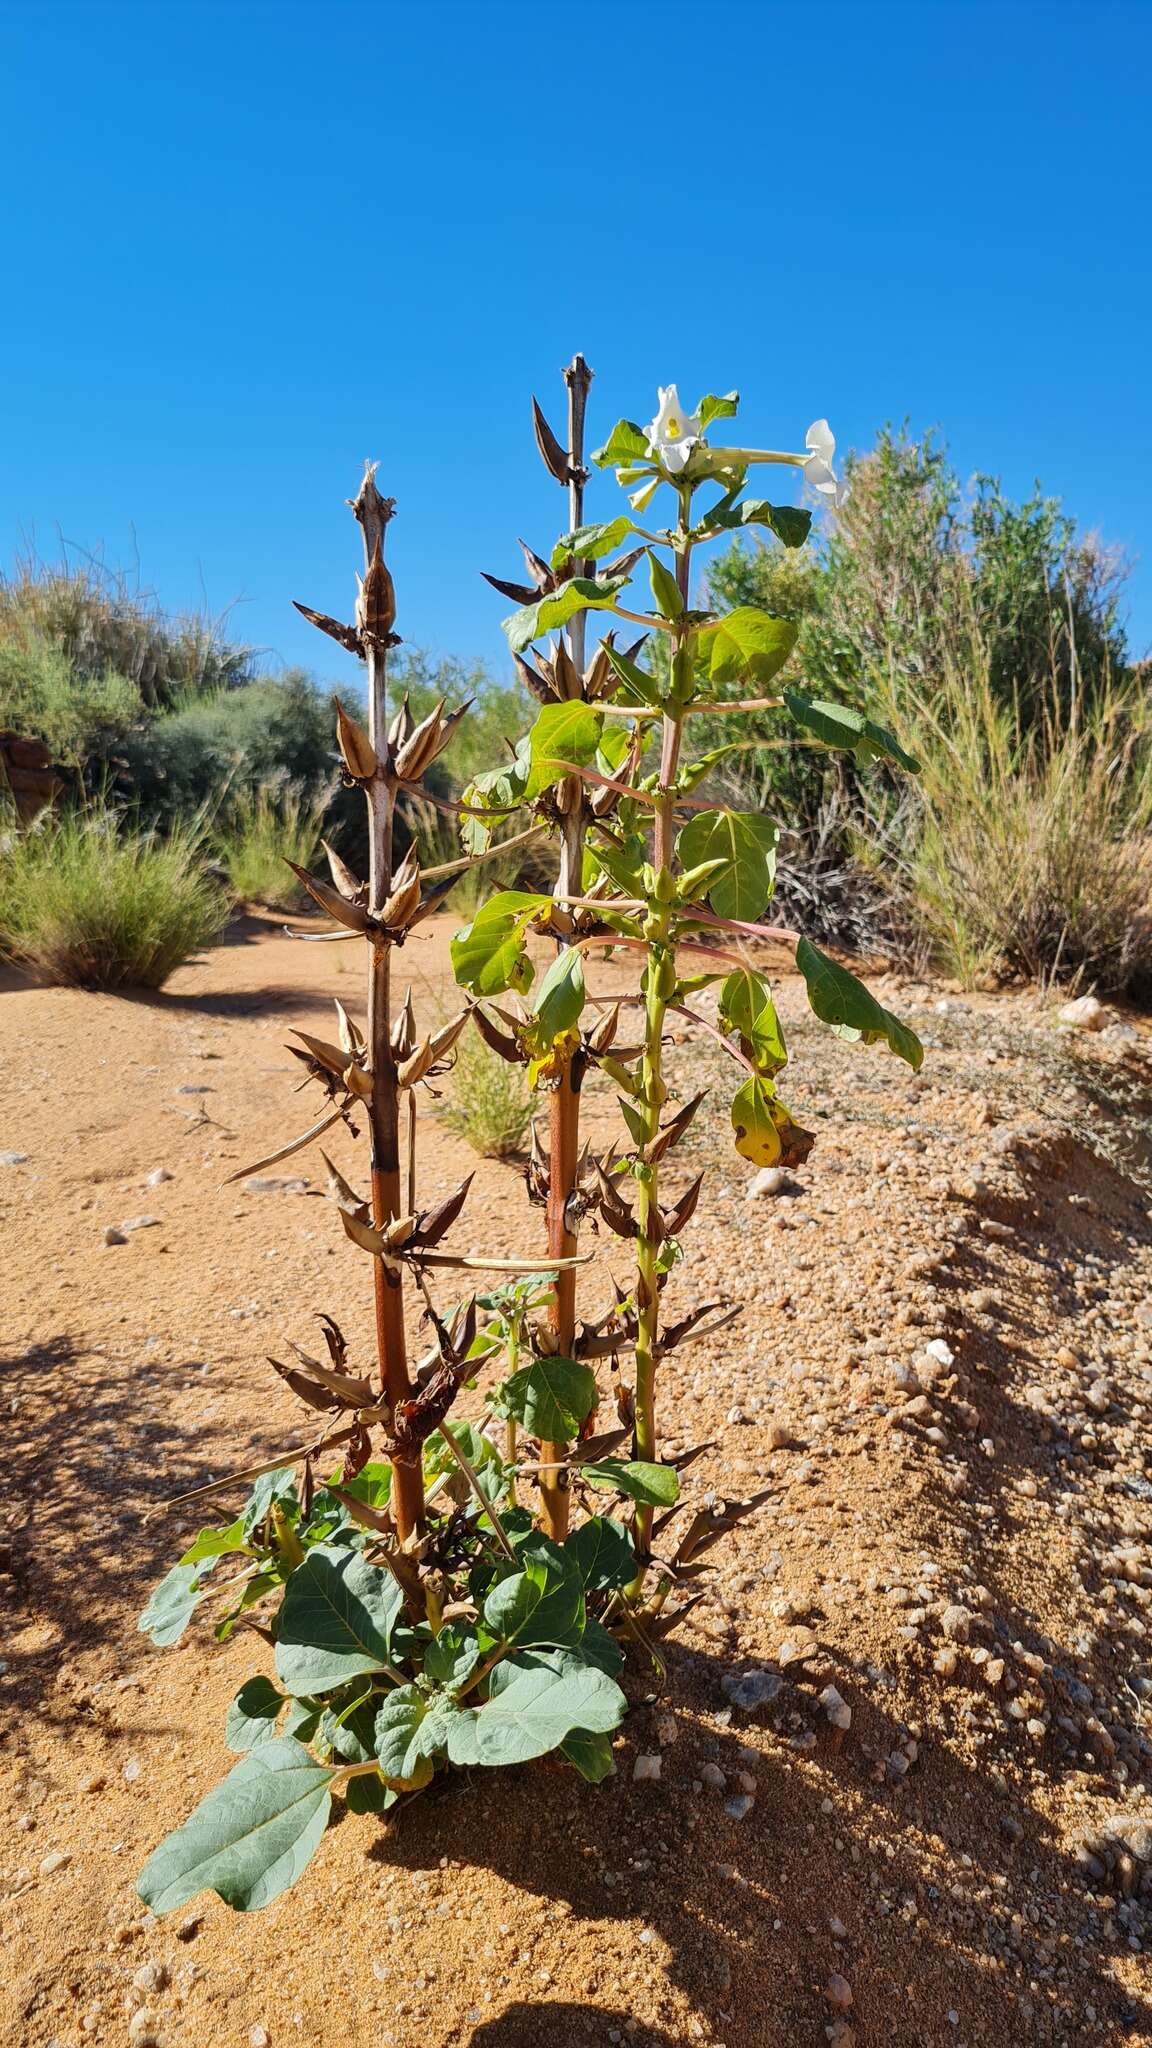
407 1497
564 1106
659 990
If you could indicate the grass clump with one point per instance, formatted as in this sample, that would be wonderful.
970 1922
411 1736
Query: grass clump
258 833
490 1105
91 901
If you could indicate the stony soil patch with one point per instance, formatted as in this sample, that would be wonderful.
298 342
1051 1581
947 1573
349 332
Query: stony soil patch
897 1787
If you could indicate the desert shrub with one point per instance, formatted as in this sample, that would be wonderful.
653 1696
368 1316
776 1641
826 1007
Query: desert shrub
988 633
89 900
101 623
489 1104
258 831
276 729
78 717
1023 849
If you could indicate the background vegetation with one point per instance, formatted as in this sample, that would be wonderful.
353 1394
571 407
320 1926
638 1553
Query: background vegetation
989 634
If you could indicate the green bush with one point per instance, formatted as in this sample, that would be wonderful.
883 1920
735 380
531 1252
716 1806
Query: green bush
1022 850
90 901
42 697
100 623
258 832
490 1105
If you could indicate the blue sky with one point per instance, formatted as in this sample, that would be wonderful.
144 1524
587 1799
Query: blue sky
247 245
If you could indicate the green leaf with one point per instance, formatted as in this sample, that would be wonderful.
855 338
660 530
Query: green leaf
271 1489
302 1719
174 1602
350 1732
603 1552
601 1649
372 1484
790 523
746 645
568 732
551 1397
853 1012
838 725
252 1715
591 1755
654 1485
250 1838
497 791
336 1621
369 1794
216 1542
538 1699
556 1615
558 1001
746 843
452 1656
626 443
746 1006
491 954
624 865
712 408
410 1728
665 589
590 543
579 594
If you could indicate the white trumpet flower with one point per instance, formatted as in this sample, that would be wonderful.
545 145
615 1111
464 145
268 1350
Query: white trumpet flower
673 434
818 471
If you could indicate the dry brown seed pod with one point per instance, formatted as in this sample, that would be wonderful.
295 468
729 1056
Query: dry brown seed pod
538 569
351 1037
685 1208
674 1130
565 672
401 725
553 456
352 916
401 905
356 749
404 1028
415 753
503 1043
376 608
332 1058
340 1190
534 682
348 884
436 1222
604 1031
348 636
519 593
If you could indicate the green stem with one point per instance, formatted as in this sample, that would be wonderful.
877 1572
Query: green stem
513 1355
660 934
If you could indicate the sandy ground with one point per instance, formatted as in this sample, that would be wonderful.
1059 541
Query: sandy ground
957 1540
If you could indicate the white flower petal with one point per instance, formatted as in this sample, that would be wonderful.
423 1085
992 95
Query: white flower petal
821 440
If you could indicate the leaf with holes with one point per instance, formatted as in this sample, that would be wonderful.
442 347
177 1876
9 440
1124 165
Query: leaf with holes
491 954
